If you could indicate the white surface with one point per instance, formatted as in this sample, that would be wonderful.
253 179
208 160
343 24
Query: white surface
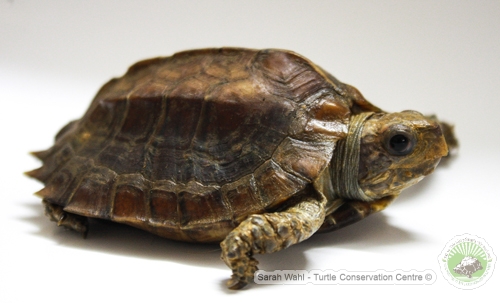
433 56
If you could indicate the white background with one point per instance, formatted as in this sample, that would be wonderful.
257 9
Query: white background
432 56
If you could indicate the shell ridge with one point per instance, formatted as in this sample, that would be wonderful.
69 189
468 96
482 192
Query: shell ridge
152 152
203 112
148 154
116 131
208 93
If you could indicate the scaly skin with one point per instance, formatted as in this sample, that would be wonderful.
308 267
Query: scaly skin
268 233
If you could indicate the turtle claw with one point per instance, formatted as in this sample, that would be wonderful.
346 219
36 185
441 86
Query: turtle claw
66 220
236 283
243 275
76 223
237 254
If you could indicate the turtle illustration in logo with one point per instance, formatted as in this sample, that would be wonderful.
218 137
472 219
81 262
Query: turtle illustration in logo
468 266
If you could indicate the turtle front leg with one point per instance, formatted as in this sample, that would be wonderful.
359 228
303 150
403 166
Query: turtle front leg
71 221
353 211
267 233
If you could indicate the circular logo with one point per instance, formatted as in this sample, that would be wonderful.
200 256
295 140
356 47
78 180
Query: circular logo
467 261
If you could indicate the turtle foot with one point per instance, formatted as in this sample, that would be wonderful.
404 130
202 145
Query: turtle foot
242 275
237 254
65 219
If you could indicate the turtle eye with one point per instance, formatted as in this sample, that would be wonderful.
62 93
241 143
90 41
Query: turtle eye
400 141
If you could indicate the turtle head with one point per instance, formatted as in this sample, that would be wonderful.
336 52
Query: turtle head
397 150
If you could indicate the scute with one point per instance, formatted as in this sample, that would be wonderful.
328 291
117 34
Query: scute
187 146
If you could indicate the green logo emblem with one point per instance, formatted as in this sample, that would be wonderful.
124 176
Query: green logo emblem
467 261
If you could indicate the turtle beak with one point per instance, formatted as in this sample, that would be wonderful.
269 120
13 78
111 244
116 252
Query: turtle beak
435 150
439 147
443 131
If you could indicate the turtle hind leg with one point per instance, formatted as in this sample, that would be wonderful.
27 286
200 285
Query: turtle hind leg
67 220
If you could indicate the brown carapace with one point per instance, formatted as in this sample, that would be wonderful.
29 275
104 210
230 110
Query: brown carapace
212 145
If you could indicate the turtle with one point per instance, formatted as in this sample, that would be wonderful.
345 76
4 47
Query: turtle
254 149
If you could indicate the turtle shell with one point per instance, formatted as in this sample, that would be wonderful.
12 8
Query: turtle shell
188 146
